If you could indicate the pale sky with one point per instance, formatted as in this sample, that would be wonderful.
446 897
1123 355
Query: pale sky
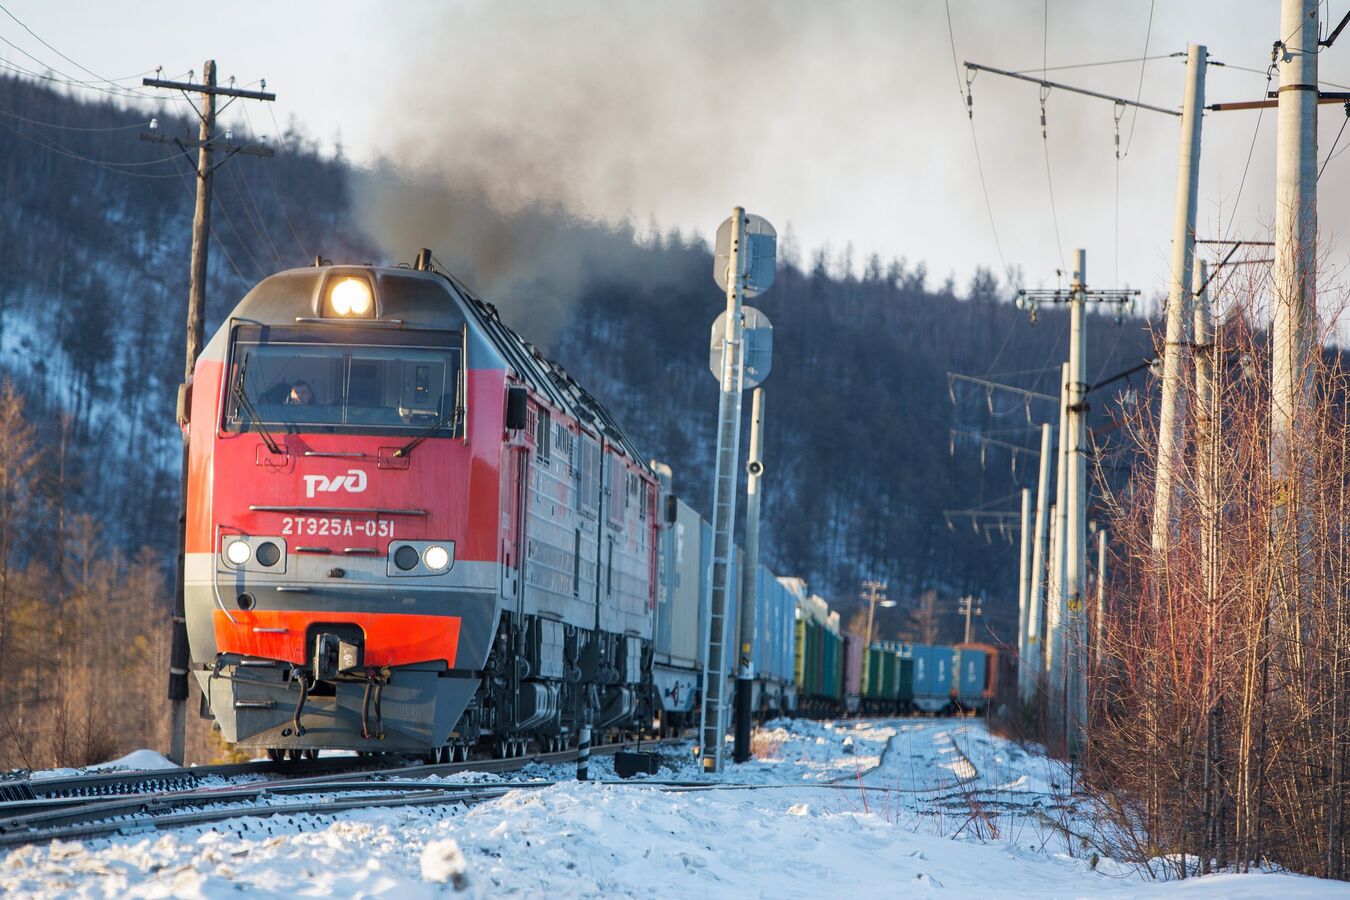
842 119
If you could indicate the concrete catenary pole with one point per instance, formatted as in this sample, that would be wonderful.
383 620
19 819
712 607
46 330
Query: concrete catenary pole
1024 588
1034 671
1099 637
1055 612
1183 253
1206 488
745 669
1293 282
712 725
1075 546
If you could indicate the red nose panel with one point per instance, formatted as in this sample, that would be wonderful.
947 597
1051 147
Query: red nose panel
391 639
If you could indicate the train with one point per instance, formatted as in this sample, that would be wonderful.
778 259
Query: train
409 531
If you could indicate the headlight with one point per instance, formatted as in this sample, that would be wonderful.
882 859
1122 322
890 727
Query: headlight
350 297
436 557
238 552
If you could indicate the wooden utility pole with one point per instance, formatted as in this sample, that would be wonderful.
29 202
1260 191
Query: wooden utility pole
971 606
196 326
874 592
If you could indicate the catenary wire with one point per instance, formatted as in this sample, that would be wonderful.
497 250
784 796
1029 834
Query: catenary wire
281 204
979 164
1090 65
120 168
1148 34
191 189
83 68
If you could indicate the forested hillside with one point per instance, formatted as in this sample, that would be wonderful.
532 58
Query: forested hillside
94 243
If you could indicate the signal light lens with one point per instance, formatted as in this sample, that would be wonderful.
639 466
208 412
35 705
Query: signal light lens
268 554
436 557
238 552
405 557
351 297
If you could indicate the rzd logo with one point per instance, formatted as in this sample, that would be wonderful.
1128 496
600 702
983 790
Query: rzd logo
353 482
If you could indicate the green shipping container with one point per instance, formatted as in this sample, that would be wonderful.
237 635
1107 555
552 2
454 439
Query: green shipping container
905 681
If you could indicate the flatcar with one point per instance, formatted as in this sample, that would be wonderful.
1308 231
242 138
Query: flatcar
406 529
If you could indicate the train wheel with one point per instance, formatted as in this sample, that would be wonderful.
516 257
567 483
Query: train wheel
276 754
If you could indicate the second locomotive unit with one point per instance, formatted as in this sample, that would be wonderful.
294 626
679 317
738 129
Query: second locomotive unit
407 530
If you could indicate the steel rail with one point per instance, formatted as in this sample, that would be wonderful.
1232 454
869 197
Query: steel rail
29 820
69 818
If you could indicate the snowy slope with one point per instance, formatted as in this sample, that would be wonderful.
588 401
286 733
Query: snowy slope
849 809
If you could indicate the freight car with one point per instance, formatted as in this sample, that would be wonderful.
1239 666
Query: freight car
888 682
819 664
999 679
681 621
408 530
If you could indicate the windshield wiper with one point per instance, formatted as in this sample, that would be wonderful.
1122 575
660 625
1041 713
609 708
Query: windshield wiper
453 421
244 403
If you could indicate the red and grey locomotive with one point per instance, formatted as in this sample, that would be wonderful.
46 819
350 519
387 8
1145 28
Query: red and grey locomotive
407 530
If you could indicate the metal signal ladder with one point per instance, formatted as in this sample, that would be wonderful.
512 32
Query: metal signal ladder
721 606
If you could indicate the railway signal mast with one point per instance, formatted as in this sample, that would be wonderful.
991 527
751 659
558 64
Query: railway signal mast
743 267
196 321
745 673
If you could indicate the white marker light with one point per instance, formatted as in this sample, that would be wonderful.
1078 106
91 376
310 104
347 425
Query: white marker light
238 552
350 297
436 557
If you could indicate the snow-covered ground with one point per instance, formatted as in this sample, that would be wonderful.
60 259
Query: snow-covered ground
909 807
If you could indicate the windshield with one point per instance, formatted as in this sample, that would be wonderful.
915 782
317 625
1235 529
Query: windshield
295 384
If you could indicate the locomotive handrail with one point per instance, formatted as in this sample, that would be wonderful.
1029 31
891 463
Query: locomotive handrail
316 320
352 510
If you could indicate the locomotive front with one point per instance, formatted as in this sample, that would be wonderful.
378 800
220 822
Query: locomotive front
342 573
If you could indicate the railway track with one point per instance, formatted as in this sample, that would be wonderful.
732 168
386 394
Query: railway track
86 806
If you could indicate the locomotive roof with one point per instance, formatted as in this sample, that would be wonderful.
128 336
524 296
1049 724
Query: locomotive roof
404 294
